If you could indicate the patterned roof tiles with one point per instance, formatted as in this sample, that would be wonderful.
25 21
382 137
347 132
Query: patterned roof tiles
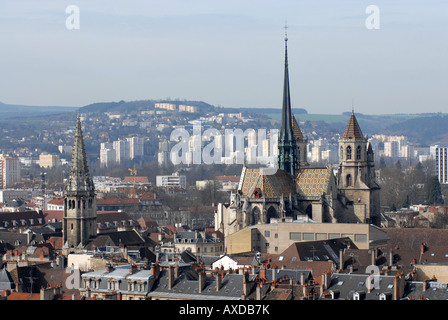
313 182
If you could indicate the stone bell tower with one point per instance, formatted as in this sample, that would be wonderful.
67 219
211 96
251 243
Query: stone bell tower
356 175
79 221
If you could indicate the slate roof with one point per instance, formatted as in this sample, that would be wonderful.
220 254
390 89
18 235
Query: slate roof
187 287
23 219
345 285
434 290
319 250
6 281
121 273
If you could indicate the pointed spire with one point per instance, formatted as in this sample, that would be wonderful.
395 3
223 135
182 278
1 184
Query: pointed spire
286 129
353 131
287 144
79 178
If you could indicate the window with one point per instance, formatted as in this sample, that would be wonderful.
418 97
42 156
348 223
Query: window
348 181
360 237
349 153
358 153
342 153
334 235
295 236
308 236
267 233
321 236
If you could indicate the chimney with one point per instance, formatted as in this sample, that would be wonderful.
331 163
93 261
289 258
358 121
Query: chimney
274 274
373 257
170 277
351 268
176 270
341 259
263 272
218 281
155 268
423 248
258 292
326 280
391 257
302 278
425 285
73 296
46 293
202 279
304 290
246 283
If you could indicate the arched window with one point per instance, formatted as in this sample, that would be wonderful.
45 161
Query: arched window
342 153
349 180
358 153
349 153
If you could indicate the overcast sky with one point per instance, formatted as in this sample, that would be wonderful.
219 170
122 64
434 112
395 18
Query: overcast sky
228 53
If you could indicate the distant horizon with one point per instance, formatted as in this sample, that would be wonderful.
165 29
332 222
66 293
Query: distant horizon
225 107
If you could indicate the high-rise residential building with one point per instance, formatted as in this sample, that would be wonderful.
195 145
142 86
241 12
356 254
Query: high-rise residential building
9 171
120 150
136 147
392 149
441 164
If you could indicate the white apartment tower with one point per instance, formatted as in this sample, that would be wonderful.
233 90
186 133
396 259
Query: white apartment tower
441 164
9 171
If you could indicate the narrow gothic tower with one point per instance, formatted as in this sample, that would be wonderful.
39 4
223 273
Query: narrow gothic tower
356 176
287 145
79 222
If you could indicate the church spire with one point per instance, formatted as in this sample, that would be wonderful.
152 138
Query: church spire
79 179
287 146
79 221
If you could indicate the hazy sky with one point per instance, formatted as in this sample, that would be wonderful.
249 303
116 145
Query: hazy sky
227 53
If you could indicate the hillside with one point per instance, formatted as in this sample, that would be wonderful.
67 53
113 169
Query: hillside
9 111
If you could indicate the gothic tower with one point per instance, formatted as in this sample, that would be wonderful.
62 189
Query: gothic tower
287 144
356 176
79 222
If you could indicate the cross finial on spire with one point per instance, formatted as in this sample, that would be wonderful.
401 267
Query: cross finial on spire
353 107
286 30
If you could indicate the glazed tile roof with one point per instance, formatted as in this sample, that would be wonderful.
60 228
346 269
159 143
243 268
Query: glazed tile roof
271 186
313 182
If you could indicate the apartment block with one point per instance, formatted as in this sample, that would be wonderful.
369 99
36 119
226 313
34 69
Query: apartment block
9 171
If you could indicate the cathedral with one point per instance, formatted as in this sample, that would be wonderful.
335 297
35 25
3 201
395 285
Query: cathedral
347 194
